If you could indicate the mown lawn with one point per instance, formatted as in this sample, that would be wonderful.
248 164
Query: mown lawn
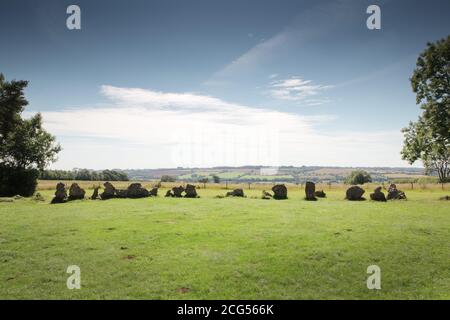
208 248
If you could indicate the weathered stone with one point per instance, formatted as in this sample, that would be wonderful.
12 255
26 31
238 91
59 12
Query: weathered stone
60 193
320 194
190 191
266 195
121 193
169 193
76 192
395 194
38 197
109 191
355 193
236 193
310 190
279 192
378 195
445 198
177 192
95 193
136 190
154 192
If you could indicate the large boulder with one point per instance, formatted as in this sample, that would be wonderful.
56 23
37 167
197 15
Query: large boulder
60 193
310 190
136 190
320 194
95 193
236 193
154 192
122 193
177 192
354 193
378 195
190 191
279 192
169 193
76 192
109 192
395 194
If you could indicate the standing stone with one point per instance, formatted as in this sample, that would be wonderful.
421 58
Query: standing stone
177 192
122 193
109 192
75 192
320 194
236 193
135 190
355 193
378 195
169 193
190 191
154 192
60 193
310 190
279 192
95 193
266 195
395 194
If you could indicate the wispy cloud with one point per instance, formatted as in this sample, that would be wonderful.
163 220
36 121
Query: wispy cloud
146 128
298 89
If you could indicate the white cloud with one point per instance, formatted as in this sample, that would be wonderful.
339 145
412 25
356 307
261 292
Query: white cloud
146 129
298 89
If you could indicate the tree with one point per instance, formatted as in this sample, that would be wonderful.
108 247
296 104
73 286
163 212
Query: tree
216 178
204 181
358 177
25 147
428 139
167 178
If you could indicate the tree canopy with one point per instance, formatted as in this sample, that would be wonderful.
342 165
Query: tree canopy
358 177
24 144
428 139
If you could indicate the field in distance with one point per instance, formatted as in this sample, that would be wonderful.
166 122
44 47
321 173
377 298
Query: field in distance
229 248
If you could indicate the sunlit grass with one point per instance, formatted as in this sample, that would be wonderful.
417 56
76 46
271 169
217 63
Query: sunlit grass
226 248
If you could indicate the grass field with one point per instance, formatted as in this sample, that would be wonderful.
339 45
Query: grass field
209 248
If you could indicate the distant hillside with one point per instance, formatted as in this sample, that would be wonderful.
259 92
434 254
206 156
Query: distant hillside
268 174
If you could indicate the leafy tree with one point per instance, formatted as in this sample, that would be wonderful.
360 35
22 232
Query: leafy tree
428 139
203 180
25 147
216 178
167 178
358 177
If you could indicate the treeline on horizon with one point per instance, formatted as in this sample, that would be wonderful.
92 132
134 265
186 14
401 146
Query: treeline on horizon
84 175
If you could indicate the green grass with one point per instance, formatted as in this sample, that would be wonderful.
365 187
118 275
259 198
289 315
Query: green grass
226 248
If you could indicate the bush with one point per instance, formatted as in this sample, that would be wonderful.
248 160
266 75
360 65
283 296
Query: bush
167 178
16 181
358 177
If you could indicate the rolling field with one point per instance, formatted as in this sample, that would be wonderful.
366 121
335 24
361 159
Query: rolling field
231 248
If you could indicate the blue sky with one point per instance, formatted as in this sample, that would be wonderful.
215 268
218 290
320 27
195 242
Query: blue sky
148 84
